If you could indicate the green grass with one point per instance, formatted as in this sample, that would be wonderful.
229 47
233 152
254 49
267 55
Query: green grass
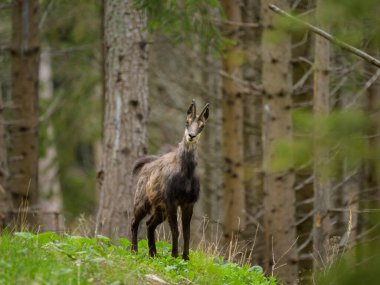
48 258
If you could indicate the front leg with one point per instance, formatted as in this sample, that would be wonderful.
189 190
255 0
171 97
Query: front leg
187 212
172 218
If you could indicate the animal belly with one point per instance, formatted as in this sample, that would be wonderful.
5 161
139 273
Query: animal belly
155 193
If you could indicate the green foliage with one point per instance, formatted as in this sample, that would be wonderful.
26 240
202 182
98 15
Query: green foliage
189 21
283 27
359 265
341 134
353 20
48 258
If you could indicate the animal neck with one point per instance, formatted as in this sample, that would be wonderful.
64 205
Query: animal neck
187 156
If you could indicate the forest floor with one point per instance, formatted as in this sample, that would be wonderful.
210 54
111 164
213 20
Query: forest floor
49 258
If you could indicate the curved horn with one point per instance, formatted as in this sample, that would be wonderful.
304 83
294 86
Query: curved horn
205 112
192 111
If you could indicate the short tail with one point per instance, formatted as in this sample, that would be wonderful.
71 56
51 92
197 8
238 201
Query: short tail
142 161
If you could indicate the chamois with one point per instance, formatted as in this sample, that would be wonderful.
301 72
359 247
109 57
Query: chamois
167 182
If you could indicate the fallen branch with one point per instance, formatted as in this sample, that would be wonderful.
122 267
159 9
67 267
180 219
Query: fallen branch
327 36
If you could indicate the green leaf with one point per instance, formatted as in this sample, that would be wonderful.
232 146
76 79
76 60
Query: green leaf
47 237
24 235
124 242
103 238
256 268
143 244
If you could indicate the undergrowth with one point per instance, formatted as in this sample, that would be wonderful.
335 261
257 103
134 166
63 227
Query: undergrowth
48 258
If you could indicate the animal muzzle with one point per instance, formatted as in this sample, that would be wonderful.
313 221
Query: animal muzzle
191 137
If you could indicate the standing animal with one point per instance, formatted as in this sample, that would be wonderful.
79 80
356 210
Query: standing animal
167 182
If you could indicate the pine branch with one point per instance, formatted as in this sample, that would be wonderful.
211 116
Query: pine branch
240 24
327 36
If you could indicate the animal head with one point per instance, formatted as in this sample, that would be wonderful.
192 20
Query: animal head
194 123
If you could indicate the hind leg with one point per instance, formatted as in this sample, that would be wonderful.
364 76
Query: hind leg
157 218
139 214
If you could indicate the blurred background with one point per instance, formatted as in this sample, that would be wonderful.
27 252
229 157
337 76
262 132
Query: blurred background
289 159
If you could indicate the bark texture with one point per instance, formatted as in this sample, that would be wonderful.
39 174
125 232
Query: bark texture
253 177
233 144
23 128
370 195
5 198
322 186
279 196
126 109
372 168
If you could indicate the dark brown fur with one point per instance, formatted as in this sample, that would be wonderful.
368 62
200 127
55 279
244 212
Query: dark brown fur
167 182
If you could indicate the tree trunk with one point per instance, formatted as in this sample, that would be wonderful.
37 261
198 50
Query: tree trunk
322 186
23 129
50 202
279 196
370 196
373 165
233 145
126 108
5 198
252 129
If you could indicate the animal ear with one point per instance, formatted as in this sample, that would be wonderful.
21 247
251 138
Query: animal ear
205 112
191 112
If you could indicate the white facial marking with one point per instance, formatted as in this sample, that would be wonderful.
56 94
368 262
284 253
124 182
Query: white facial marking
189 139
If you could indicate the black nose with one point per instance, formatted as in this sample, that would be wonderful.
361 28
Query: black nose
192 136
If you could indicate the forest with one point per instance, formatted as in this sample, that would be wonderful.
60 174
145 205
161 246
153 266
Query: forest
288 156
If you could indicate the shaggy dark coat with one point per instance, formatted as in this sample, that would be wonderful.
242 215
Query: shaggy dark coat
167 182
